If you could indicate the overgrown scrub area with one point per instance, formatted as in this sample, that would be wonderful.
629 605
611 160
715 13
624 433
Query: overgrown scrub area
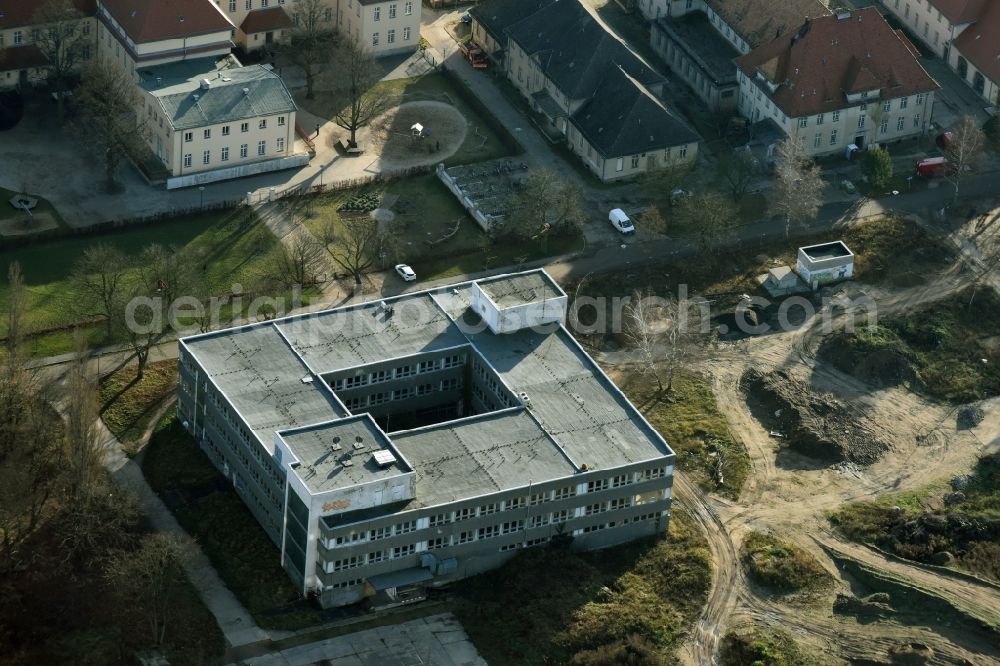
206 506
960 528
895 250
128 403
944 350
689 419
83 580
553 606
760 646
781 566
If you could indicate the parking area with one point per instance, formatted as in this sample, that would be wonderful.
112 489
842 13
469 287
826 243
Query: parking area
438 640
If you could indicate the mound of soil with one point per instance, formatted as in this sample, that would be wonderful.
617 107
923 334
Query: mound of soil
815 425
880 367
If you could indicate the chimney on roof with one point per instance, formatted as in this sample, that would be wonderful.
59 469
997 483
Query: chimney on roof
196 97
159 81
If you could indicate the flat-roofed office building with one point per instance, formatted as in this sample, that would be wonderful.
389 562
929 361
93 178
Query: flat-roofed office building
395 445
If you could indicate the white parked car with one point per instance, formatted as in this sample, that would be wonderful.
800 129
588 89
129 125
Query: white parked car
619 220
406 272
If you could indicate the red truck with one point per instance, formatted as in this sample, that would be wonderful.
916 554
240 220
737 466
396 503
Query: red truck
931 166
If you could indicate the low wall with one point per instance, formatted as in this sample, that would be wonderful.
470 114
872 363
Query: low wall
254 169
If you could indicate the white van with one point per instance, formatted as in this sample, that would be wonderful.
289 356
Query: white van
619 220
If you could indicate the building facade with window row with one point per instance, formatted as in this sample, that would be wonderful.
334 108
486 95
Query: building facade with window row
838 80
397 445
22 62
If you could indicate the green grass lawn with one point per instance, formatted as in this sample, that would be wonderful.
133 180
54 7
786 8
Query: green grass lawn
427 211
127 404
481 142
225 249
548 604
690 421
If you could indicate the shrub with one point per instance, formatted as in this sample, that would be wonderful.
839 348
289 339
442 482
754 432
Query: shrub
760 647
782 566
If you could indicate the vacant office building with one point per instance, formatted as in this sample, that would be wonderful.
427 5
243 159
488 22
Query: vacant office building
390 446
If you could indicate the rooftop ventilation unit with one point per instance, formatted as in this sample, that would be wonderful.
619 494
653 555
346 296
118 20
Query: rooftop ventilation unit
384 458
358 446
246 92
524 398
348 463
307 379
205 84
196 97
843 15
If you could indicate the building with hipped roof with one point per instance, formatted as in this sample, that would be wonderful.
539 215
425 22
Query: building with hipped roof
700 39
964 33
587 87
390 446
209 120
838 80
22 62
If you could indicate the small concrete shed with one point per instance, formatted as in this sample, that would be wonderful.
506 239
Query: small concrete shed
825 263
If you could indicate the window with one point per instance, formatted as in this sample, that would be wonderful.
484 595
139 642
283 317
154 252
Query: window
244 127
903 101
594 508
392 10
263 4
376 556
206 157
207 134
916 120
374 39
86 28
281 121
803 122
861 122
465 537
225 154
833 138
390 36
404 371
248 4
683 152
280 147
425 389
819 119
225 130
188 137
488 532
620 165
635 161
560 516
261 147
539 521
514 503
377 14
597 485
232 6
18 38
487 509
401 394
439 519
884 127
454 361
379 533
347 563
262 124
836 116
920 99
439 542
243 150
406 34
899 124
538 498
406 527
563 493
328 14
466 513
403 551
408 7
187 160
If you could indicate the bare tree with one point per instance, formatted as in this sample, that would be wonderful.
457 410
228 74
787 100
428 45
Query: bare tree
353 245
298 261
653 220
548 202
356 75
139 324
964 149
166 272
149 579
61 39
658 328
738 171
110 103
31 455
17 297
312 40
99 277
641 318
798 188
84 445
709 217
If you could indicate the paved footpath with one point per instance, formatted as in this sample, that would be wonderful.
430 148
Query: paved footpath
437 639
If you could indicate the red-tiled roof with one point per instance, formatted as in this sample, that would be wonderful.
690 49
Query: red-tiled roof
14 13
980 42
759 21
263 20
154 20
960 11
21 57
815 66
